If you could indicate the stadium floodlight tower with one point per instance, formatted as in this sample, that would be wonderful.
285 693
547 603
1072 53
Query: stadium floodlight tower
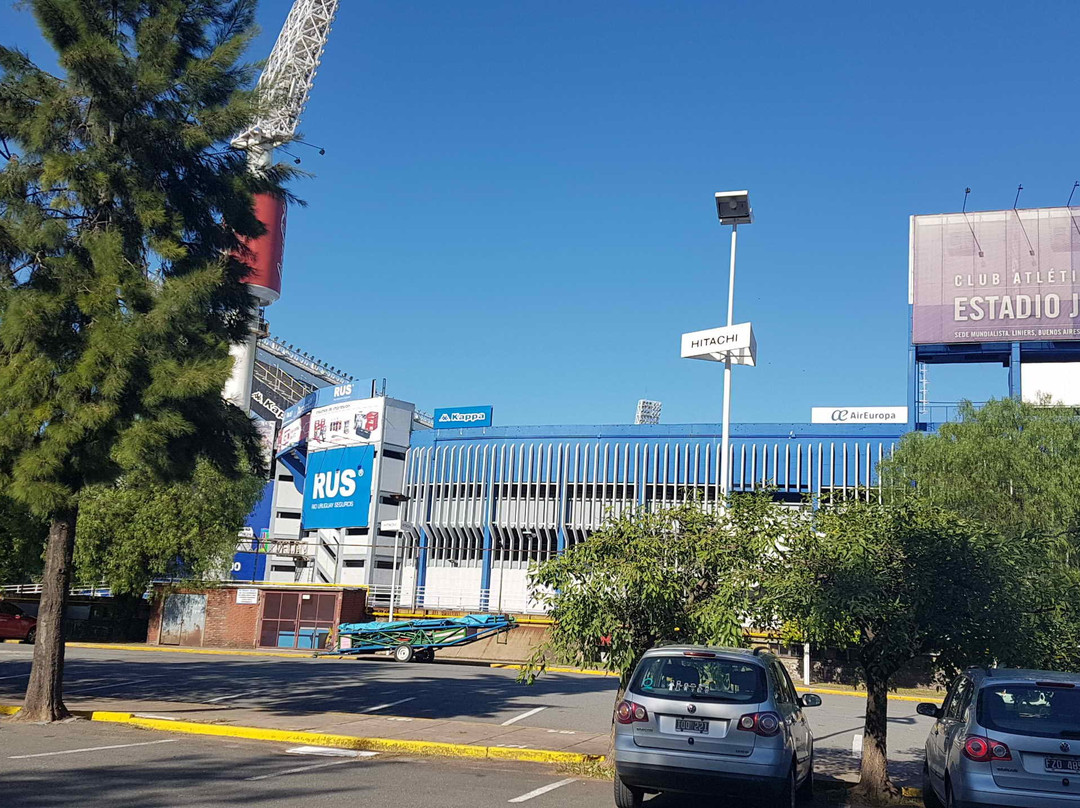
732 207
283 91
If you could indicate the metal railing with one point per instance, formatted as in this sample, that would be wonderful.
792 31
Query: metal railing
471 600
100 591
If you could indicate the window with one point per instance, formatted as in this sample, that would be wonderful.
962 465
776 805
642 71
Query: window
355 531
285 478
384 565
9 608
393 454
288 515
282 568
680 677
959 700
354 562
1041 710
785 690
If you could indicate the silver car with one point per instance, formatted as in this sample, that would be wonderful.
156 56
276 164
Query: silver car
1005 737
713 721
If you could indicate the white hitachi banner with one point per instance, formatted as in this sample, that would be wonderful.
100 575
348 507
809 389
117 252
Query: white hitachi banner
859 415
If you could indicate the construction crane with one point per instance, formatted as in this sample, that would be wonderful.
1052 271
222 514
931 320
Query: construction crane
283 90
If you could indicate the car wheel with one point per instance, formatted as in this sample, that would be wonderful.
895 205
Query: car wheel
626 797
806 790
929 796
404 653
31 635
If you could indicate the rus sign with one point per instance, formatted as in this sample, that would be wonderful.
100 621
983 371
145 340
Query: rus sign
717 344
995 276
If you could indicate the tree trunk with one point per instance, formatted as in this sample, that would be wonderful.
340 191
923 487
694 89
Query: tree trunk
45 693
874 783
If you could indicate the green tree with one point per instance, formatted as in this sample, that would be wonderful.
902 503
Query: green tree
140 529
892 582
1010 464
22 538
682 573
120 206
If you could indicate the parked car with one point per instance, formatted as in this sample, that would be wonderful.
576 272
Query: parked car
1005 737
702 720
15 624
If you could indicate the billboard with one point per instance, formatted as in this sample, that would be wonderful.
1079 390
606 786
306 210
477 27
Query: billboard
322 397
858 415
449 417
266 403
292 433
347 423
995 276
337 488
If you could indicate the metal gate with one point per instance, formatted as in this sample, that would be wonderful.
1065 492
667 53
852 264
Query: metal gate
297 620
183 620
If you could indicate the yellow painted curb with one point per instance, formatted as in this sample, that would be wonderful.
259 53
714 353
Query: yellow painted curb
907 791
9 709
516 667
862 695
338 741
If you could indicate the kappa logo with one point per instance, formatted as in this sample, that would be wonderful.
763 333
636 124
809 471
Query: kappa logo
461 417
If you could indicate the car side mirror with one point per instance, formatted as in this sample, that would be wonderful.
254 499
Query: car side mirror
929 710
810 700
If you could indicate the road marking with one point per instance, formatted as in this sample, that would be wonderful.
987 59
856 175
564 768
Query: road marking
300 769
525 714
82 690
16 676
232 696
543 790
388 704
91 749
856 745
328 751
158 717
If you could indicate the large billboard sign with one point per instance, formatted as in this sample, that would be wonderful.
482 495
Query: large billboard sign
337 488
347 423
858 415
322 397
451 417
995 276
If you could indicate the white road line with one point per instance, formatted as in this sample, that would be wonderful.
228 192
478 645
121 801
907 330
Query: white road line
388 704
301 769
328 751
91 749
543 790
16 676
232 696
82 690
856 745
525 714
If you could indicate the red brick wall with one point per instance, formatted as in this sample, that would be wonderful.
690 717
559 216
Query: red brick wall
352 606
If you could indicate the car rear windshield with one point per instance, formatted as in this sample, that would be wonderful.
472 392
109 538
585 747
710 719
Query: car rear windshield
1030 709
679 677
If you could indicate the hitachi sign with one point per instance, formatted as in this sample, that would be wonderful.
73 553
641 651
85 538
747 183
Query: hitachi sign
734 342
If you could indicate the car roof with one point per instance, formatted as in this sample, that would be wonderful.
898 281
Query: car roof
989 675
749 654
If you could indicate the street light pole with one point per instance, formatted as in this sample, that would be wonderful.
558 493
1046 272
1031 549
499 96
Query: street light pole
725 460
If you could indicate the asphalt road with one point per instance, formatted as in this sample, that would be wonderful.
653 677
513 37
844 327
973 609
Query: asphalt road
467 693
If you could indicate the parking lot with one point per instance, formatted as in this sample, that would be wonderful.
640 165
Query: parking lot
287 688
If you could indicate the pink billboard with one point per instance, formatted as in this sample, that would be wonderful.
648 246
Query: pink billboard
995 276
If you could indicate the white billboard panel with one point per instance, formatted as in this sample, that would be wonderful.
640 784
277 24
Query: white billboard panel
348 423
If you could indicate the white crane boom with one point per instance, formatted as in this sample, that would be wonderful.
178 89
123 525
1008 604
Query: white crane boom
286 80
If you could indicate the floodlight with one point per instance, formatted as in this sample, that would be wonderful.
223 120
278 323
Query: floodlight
733 207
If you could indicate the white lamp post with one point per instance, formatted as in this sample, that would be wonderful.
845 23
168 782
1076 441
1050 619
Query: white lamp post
732 344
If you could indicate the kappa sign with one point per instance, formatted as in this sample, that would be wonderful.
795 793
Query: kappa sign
718 344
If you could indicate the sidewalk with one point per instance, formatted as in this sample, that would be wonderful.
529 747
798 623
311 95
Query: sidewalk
350 730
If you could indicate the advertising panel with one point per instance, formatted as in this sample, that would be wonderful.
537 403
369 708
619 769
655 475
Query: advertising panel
858 415
348 423
995 276
448 417
322 397
293 433
337 488
265 402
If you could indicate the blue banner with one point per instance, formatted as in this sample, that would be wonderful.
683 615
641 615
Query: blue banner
337 488
456 417
324 396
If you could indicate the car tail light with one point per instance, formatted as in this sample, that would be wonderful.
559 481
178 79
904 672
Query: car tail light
764 724
704 654
984 750
628 712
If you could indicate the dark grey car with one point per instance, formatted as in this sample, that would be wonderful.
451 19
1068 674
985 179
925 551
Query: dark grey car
713 721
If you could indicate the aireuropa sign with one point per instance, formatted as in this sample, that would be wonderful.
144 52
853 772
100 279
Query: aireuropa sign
858 415
337 488
717 344
995 276
451 417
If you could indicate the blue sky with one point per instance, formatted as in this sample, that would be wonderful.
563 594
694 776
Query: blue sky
515 207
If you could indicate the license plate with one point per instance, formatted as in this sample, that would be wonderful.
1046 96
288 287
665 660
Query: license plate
1057 764
692 725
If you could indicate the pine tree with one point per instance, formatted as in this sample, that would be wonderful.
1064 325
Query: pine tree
120 291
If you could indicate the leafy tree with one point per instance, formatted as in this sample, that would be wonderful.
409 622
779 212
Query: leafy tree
683 573
120 209
22 538
892 582
139 529
1010 464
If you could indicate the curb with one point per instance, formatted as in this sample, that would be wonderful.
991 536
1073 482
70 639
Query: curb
338 741
108 646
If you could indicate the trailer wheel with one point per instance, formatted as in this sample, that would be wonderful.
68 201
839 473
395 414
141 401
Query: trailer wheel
425 655
404 653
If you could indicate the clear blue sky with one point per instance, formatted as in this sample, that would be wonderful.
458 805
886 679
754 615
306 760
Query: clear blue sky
515 207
